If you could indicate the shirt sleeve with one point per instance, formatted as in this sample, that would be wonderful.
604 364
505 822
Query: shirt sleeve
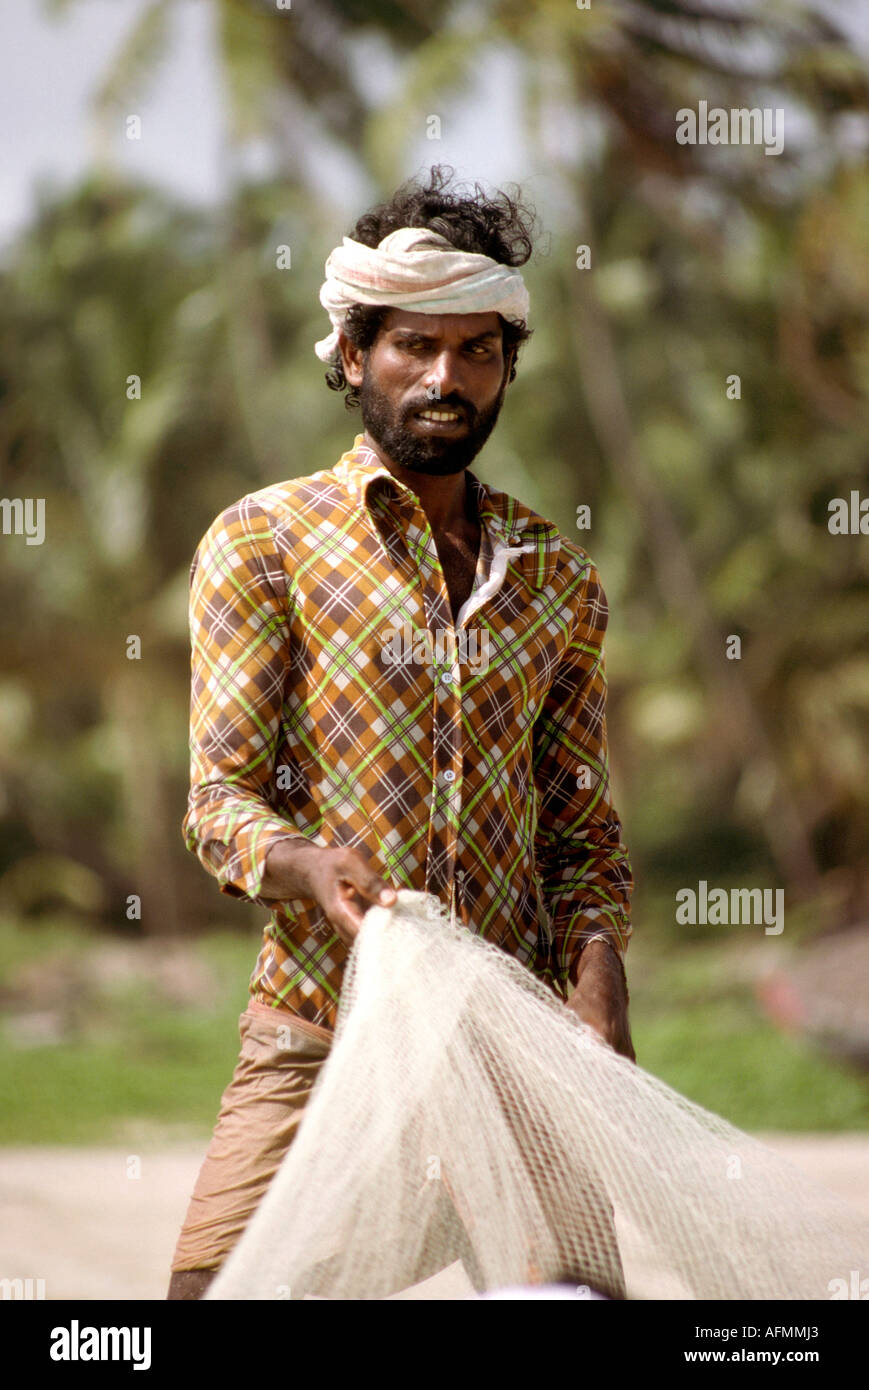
239 654
582 863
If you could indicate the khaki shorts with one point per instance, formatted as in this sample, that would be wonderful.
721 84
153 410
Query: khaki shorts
260 1113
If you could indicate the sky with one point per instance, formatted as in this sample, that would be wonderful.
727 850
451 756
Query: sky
51 65
50 68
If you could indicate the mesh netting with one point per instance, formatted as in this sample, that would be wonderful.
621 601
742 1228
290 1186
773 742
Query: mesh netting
468 1133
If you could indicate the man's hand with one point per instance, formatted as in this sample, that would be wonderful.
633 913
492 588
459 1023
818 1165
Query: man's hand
341 881
600 998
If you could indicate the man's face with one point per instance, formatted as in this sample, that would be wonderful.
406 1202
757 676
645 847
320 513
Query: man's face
431 387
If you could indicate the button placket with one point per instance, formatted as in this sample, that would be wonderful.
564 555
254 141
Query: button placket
446 692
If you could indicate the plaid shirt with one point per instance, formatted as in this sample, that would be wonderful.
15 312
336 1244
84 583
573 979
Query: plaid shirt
483 782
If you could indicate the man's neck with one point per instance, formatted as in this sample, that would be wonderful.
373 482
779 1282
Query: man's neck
445 500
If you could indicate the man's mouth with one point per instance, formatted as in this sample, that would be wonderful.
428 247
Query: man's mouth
440 415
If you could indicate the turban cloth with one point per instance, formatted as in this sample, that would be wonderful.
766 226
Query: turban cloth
418 270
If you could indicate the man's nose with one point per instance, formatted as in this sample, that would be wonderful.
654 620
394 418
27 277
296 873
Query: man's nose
445 376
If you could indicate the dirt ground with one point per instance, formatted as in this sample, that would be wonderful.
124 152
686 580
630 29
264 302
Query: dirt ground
84 1223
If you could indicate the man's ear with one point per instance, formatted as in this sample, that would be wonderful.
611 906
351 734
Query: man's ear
351 359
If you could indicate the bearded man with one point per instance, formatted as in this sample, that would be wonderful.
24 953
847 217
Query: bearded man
331 765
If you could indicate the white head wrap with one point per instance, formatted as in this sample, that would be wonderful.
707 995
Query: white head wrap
418 270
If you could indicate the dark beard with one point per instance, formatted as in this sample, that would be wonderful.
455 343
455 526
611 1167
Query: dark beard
438 457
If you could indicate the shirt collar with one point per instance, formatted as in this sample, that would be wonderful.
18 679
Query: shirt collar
509 520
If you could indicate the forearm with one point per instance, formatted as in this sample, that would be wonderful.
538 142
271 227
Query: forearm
582 862
599 957
600 996
287 870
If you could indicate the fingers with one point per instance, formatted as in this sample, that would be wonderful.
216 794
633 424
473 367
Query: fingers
362 887
354 869
357 887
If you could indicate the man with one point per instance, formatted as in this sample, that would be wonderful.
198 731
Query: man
347 735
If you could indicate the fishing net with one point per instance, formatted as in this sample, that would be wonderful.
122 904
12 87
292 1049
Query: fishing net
468 1133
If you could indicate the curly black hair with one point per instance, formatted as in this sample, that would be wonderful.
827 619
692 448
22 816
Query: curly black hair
500 226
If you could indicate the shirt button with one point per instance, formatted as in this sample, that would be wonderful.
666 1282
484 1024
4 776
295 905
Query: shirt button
446 677
449 775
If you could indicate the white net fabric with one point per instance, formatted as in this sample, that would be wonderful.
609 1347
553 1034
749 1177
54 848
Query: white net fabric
468 1133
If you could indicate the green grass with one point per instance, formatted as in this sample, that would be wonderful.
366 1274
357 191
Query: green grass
726 1059
697 1027
136 1064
